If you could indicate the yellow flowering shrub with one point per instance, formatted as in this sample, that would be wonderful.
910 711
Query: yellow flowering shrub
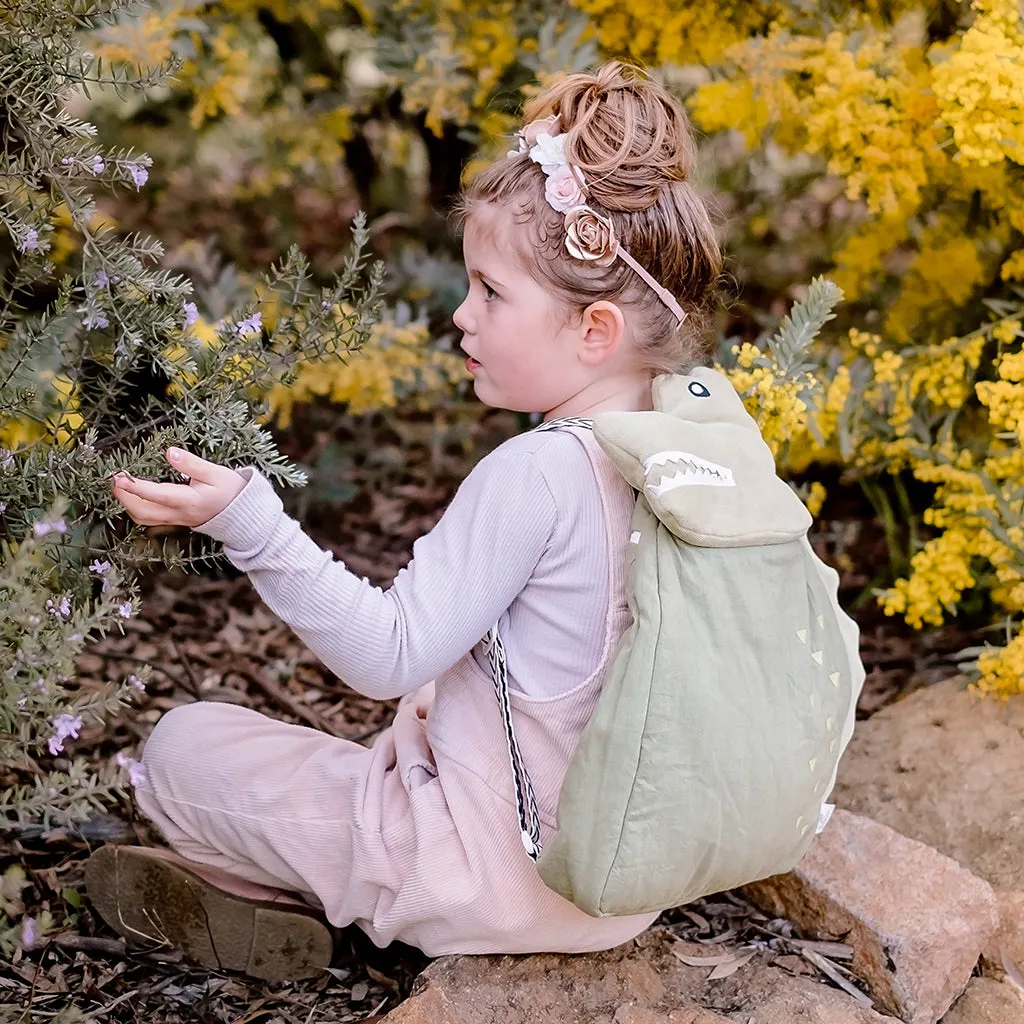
668 32
904 132
772 396
980 86
393 365
926 135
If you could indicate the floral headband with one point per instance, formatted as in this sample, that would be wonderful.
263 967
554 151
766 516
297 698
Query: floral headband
588 235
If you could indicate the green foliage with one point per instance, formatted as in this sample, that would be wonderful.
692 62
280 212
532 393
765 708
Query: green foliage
791 343
101 369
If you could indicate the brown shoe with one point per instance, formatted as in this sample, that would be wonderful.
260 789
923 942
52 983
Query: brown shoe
153 896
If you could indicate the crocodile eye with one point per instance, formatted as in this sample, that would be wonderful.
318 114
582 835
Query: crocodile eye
698 390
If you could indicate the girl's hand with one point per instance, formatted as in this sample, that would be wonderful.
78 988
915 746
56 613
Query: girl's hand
209 491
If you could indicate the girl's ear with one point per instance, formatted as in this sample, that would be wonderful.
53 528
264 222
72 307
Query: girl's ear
601 332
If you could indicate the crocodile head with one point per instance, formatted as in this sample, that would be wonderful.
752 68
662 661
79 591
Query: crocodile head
700 462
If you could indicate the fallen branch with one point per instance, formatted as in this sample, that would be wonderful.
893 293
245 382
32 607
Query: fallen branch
89 944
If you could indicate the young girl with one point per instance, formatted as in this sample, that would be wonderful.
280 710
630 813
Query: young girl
417 838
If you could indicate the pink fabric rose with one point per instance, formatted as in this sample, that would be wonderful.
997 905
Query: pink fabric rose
562 189
590 237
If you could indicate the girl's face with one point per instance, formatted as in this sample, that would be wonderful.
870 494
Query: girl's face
522 355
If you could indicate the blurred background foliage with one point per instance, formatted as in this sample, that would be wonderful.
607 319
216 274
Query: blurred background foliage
878 143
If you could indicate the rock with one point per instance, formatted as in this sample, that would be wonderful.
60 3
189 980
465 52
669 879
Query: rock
1009 941
987 1001
947 769
916 919
640 982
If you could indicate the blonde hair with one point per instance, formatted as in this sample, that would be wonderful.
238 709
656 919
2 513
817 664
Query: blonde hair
634 145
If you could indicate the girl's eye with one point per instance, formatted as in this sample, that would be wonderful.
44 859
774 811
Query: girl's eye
490 292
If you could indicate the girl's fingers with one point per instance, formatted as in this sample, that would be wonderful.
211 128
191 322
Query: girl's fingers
144 512
169 496
193 466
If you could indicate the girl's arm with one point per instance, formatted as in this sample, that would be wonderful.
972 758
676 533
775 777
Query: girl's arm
463 575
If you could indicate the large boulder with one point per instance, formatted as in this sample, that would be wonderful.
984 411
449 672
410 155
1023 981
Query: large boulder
947 769
916 919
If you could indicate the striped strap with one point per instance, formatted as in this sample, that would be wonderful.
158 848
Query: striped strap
526 802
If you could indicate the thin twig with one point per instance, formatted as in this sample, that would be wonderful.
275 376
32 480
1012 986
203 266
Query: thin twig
185 664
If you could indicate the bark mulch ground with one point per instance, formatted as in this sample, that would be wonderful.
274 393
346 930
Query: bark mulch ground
209 637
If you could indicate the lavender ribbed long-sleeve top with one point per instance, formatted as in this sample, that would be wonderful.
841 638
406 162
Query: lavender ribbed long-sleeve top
523 543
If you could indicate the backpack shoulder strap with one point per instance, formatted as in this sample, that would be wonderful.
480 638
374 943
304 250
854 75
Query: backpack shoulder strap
526 803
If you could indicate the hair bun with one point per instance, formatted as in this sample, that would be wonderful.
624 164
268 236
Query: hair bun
628 136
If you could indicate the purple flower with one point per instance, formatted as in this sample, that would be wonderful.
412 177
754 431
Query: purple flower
250 325
136 769
135 681
65 727
98 166
61 610
22 700
98 567
66 161
30 240
95 320
3 507
41 529
191 314
6 458
125 611
28 932
100 280
139 175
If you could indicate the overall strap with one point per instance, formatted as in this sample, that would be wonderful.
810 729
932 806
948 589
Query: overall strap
526 803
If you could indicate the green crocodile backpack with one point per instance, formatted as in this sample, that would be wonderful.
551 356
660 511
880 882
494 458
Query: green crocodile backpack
717 735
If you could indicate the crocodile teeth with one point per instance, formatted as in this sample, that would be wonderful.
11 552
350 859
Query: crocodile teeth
692 469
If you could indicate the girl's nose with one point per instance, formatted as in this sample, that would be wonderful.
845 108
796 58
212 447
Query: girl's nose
461 318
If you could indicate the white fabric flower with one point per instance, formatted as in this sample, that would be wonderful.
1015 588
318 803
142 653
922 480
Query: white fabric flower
549 152
562 190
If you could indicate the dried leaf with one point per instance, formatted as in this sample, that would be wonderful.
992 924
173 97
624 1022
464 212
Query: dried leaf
700 922
835 950
703 961
724 970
